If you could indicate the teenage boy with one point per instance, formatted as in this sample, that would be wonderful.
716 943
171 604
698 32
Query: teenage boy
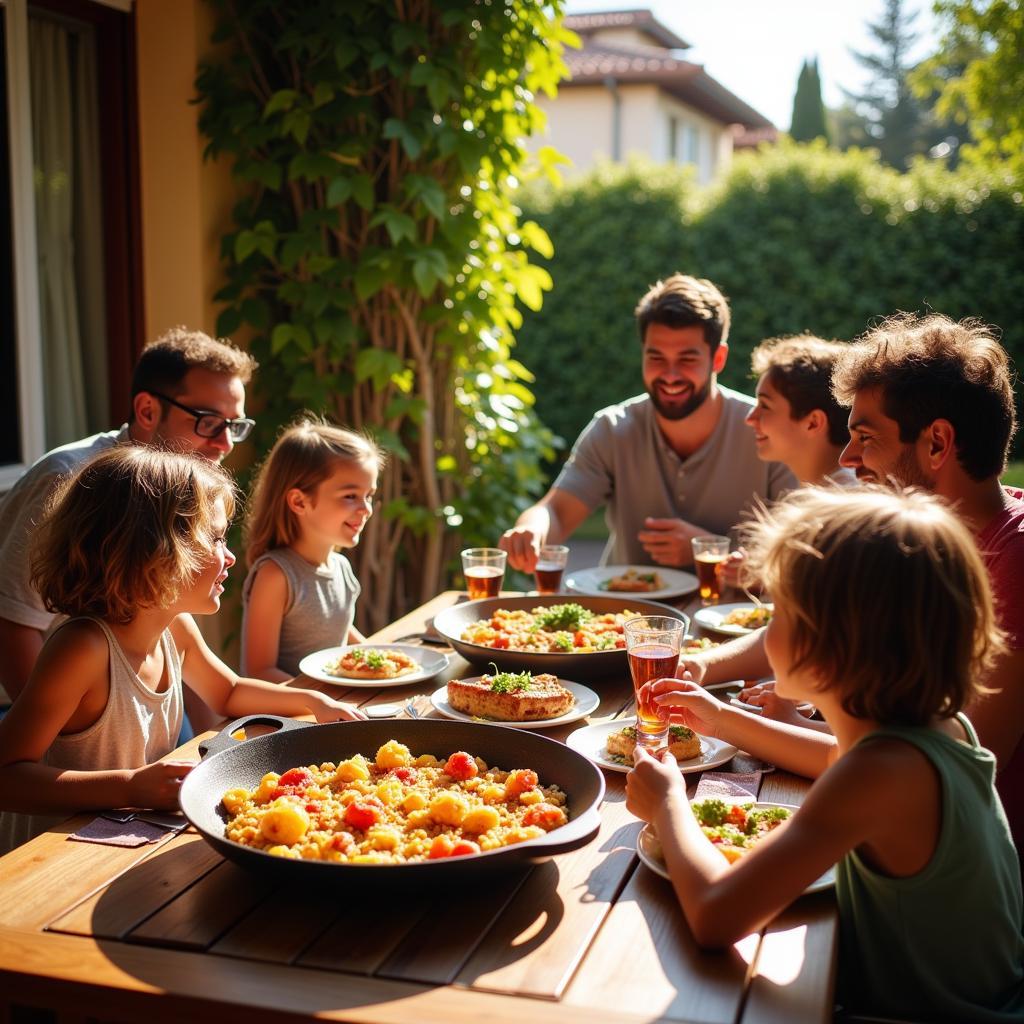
669 465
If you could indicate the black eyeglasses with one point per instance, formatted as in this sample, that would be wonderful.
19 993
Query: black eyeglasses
209 424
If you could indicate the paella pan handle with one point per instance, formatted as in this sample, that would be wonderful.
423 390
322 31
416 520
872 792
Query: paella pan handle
225 738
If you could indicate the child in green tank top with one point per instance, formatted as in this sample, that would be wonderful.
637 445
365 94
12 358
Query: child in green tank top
883 620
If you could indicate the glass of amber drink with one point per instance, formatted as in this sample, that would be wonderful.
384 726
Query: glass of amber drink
484 569
549 568
709 555
652 643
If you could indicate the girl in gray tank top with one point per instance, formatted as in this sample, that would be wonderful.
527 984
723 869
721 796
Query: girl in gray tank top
312 496
132 546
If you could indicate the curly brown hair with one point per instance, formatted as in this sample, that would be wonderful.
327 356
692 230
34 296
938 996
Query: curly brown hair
127 531
931 368
889 599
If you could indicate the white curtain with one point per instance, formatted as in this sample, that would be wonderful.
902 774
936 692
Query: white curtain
65 142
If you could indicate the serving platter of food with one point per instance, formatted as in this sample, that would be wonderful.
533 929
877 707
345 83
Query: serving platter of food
610 745
389 801
733 828
373 665
734 619
574 637
650 581
520 700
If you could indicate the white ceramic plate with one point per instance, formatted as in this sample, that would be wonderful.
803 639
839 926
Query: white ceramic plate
586 702
712 618
590 742
431 663
649 849
588 581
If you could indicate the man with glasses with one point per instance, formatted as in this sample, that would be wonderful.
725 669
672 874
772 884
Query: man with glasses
188 394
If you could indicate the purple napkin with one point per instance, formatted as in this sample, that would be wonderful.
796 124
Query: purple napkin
131 831
728 786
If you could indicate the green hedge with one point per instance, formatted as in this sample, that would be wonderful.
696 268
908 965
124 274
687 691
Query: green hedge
801 238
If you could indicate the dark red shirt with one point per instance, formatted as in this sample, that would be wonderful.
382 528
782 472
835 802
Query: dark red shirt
1002 548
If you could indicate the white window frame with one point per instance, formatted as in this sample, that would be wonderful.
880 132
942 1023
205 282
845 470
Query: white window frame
24 251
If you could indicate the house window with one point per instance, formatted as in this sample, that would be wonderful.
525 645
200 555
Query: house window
68 141
673 138
692 143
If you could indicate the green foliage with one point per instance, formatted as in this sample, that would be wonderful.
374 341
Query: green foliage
801 238
979 77
894 117
808 121
377 257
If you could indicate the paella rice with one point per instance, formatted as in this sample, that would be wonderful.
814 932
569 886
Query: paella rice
394 808
558 629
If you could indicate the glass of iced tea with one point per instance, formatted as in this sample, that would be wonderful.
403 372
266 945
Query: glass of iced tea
484 569
652 643
549 568
709 555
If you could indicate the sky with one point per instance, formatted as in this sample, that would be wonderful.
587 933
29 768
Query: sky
755 47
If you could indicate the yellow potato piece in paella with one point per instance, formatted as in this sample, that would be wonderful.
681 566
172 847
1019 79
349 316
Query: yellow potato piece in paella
284 823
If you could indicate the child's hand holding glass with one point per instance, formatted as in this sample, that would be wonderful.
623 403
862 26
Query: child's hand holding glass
655 784
685 700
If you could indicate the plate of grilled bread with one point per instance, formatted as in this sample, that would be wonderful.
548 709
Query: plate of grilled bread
523 700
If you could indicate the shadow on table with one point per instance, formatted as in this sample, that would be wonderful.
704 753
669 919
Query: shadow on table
194 926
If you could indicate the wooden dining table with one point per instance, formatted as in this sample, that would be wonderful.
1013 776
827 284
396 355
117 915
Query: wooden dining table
173 932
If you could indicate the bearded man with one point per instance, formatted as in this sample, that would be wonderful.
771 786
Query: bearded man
675 463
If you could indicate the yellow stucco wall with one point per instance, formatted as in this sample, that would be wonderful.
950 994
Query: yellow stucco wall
186 208
186 201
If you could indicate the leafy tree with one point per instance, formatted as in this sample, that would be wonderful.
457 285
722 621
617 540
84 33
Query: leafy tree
978 76
808 109
893 115
377 257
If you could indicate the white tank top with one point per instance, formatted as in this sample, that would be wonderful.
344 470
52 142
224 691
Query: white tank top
137 727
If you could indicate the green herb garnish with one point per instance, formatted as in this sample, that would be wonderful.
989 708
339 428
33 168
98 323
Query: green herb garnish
511 682
564 616
563 641
375 659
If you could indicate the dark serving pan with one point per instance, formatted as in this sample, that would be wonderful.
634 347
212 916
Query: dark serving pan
452 621
228 763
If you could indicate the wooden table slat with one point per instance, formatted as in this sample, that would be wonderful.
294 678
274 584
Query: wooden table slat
204 912
141 890
452 928
795 964
367 932
73 870
645 937
536 945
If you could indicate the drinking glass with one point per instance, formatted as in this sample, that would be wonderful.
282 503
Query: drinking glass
652 643
550 566
709 555
484 569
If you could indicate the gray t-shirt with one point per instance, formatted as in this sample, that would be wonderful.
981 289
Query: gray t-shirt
623 461
320 608
21 509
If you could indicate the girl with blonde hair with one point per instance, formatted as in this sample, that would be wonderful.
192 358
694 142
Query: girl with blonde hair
131 547
885 621
312 496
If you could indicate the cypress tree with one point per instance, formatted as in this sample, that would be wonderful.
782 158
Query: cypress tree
808 108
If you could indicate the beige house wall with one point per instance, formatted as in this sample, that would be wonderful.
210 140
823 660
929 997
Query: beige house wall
580 125
186 201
